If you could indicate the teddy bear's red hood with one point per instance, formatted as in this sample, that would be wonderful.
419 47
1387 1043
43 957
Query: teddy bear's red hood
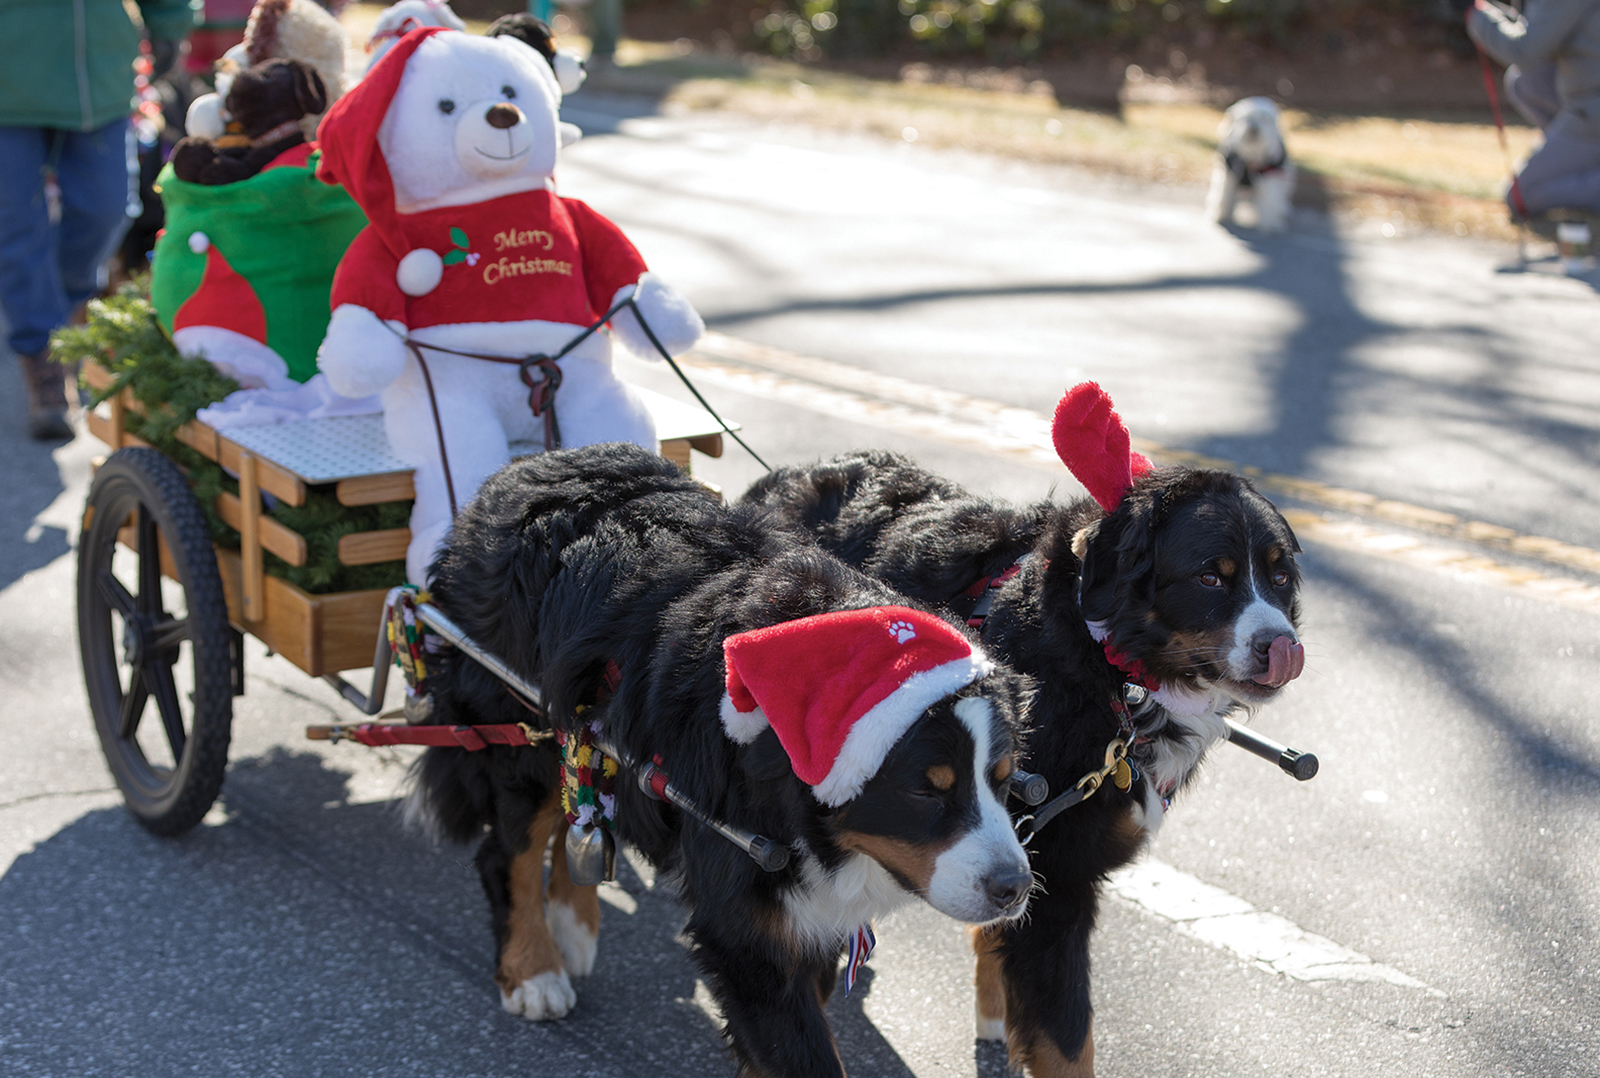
348 138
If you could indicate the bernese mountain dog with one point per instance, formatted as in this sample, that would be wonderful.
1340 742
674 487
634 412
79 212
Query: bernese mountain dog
1144 620
783 693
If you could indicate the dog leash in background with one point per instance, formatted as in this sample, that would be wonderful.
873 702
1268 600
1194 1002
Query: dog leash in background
1499 125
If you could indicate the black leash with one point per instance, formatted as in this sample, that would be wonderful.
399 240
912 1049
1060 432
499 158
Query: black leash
684 378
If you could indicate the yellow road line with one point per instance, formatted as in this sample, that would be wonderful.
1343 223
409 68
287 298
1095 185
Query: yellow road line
881 400
1464 565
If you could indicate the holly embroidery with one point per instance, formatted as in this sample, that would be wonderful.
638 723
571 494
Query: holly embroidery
461 253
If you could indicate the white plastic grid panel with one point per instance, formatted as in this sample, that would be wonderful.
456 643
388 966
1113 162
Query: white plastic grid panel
323 450
342 447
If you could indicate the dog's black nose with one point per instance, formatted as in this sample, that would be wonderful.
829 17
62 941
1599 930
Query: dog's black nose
503 115
1261 642
1007 887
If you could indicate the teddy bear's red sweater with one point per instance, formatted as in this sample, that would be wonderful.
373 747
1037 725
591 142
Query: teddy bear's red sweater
525 256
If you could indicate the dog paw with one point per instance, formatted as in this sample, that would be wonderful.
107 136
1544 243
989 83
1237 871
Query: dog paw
541 997
578 943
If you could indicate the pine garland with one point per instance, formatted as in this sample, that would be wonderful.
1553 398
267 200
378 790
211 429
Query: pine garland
123 335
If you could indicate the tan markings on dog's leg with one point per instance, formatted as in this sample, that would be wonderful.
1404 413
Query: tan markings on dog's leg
572 912
531 978
1043 1059
989 978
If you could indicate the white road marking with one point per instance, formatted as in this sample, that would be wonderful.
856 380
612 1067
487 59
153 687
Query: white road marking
1230 923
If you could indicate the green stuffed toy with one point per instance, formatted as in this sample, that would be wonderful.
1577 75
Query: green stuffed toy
242 272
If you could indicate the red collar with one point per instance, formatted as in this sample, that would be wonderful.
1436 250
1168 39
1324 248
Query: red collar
1131 667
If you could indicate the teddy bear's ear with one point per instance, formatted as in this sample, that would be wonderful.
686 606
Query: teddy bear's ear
309 92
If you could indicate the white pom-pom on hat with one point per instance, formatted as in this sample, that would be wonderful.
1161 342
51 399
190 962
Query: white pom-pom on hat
419 272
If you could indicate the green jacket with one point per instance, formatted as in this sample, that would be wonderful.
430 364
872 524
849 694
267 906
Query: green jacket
69 63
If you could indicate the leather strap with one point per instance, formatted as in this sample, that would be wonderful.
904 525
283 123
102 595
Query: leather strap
471 738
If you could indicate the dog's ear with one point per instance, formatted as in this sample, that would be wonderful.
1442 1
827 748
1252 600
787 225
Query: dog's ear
1118 560
310 95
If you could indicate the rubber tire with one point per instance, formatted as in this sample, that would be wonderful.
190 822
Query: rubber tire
167 802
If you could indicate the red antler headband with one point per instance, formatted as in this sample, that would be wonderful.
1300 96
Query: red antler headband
1092 441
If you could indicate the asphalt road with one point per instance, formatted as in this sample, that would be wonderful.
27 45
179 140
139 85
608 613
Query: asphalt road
1445 858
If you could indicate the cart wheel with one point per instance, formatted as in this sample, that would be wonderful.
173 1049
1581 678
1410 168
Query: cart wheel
153 648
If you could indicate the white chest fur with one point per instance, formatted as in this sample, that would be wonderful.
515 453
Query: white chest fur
827 906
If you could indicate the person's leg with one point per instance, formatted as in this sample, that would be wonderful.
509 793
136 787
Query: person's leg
30 277
1562 173
605 30
1533 92
99 175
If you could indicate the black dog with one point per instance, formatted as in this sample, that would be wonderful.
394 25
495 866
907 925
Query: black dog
694 635
1193 578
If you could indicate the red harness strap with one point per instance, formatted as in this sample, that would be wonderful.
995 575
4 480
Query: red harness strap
983 591
471 738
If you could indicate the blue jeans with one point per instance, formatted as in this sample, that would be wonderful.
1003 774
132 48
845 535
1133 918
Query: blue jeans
48 268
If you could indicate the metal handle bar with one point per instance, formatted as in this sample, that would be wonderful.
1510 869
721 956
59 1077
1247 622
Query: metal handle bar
1302 765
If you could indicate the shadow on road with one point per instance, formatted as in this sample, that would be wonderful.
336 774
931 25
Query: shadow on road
32 482
302 934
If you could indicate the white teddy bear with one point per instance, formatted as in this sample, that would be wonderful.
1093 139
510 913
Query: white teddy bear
449 145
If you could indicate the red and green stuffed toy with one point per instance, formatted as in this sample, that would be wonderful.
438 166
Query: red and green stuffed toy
243 271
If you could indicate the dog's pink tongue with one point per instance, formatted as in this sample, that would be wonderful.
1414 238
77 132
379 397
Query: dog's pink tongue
1285 659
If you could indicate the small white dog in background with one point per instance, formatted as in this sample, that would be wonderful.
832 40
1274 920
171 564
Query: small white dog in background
1250 154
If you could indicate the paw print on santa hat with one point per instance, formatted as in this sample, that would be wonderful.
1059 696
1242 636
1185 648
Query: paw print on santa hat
902 631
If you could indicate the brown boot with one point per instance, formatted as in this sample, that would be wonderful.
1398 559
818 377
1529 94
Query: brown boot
47 397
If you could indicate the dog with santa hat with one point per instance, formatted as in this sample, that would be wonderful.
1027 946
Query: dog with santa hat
783 693
466 300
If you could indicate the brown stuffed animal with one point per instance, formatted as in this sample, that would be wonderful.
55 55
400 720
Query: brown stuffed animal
266 103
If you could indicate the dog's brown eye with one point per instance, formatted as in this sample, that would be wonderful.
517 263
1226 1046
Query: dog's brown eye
1211 580
1280 578
509 91
446 106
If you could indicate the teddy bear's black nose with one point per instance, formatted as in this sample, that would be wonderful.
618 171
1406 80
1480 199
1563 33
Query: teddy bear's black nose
503 115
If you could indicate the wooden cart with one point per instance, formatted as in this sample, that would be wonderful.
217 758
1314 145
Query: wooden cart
162 610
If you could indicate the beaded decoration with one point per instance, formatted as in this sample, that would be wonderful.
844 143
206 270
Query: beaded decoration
410 639
588 779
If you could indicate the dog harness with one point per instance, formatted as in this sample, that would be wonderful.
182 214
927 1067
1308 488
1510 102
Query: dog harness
983 590
1245 174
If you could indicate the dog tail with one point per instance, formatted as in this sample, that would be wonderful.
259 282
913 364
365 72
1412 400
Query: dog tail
451 795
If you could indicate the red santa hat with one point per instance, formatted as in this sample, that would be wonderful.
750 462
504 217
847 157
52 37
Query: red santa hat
348 137
840 689
224 298
1092 441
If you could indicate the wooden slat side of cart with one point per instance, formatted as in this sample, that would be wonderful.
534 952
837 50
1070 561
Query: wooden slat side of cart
323 634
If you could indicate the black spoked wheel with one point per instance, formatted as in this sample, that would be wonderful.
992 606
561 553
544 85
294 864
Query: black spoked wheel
155 646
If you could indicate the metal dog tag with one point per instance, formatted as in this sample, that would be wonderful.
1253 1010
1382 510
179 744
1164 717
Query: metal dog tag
591 855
